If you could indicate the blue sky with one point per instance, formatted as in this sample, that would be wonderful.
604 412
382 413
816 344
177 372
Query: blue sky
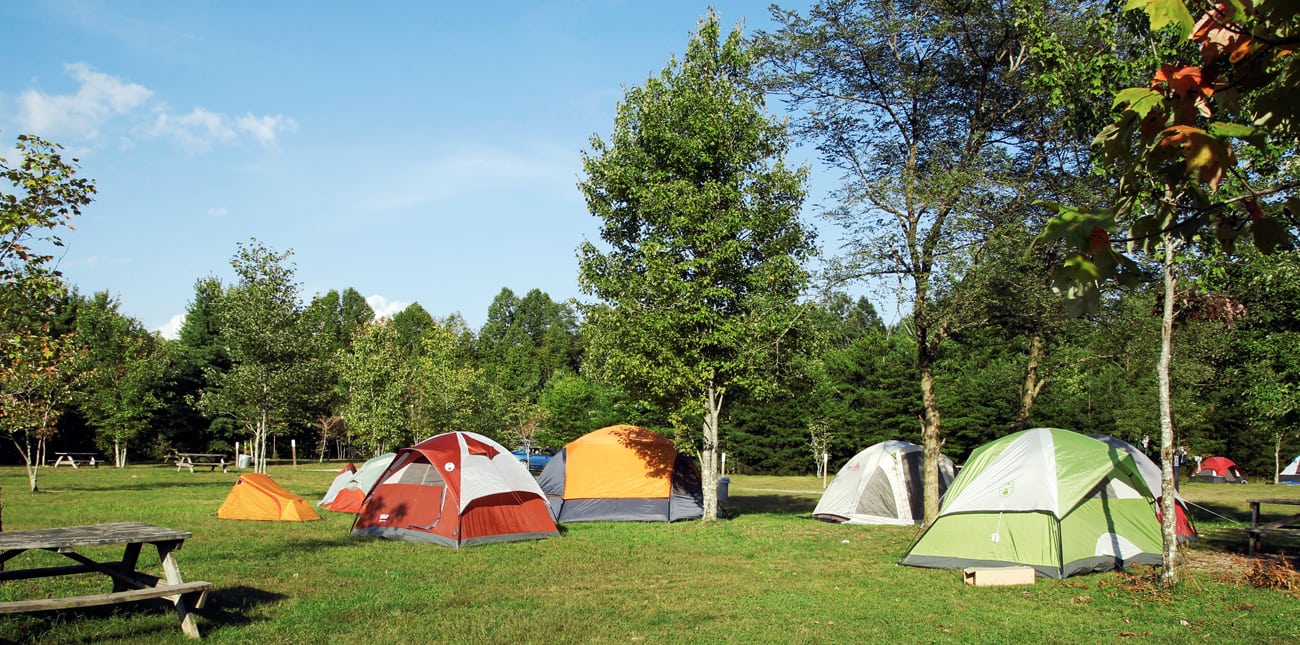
416 152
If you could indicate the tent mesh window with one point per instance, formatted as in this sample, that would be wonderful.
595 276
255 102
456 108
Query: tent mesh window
422 473
877 496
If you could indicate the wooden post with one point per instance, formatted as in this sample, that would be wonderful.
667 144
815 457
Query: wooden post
293 451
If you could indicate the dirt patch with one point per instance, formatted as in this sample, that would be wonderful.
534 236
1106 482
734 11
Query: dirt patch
1229 565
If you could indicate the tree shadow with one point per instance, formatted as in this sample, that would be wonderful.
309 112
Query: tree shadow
737 505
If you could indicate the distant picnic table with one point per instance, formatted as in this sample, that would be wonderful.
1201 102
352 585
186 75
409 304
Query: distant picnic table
74 458
1285 526
191 459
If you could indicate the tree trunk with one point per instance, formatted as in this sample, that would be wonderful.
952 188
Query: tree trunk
1032 386
709 452
1169 518
931 439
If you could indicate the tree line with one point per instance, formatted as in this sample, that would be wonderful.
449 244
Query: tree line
1056 192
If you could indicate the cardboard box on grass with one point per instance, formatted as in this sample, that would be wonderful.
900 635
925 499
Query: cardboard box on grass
998 576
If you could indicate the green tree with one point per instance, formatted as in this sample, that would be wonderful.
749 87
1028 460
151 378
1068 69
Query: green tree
124 365
526 341
447 388
411 323
930 110
274 378
195 354
374 376
705 249
575 405
1176 174
41 195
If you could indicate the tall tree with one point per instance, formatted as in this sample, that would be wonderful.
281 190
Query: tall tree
446 385
410 324
526 341
704 247
119 391
925 107
40 196
196 353
273 381
1176 174
374 376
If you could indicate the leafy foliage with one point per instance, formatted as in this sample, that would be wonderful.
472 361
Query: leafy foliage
704 248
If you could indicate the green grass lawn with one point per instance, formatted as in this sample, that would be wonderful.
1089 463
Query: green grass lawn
766 574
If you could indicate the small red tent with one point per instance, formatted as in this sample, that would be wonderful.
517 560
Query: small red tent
1220 470
456 489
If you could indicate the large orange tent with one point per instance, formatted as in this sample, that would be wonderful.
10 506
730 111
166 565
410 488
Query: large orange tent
257 497
625 473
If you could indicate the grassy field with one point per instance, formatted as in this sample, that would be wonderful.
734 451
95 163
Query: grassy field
766 574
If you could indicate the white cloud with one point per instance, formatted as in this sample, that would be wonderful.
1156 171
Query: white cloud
266 128
98 99
111 104
218 211
172 330
196 131
385 308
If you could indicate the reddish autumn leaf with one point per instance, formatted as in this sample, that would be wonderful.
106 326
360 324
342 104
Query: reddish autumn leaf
1205 155
1252 208
1182 81
1098 239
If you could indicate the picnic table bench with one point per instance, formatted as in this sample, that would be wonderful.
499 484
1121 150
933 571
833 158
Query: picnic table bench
1271 528
129 585
74 458
192 459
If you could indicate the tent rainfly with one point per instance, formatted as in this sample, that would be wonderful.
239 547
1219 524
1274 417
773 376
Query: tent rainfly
622 473
1151 475
455 489
1058 501
257 497
348 498
883 484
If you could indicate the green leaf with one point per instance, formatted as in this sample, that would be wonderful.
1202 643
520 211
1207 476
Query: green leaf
1239 130
1269 233
1164 12
1139 99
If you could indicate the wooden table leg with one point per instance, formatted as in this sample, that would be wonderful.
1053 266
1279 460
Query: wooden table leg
172 573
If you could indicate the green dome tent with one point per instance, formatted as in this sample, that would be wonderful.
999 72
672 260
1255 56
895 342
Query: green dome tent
1058 501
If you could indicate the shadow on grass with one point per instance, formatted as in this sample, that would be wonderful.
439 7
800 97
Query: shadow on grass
235 607
774 504
229 607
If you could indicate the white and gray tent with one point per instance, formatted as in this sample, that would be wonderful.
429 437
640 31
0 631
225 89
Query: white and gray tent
1291 474
883 484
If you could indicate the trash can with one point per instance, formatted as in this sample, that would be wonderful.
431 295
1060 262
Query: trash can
723 484
244 461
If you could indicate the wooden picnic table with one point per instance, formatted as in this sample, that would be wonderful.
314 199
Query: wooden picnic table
128 584
192 459
1271 528
74 458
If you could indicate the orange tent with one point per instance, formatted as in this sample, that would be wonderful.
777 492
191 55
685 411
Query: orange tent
258 497
622 472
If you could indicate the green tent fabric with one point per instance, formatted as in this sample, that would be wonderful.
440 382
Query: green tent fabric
1058 501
